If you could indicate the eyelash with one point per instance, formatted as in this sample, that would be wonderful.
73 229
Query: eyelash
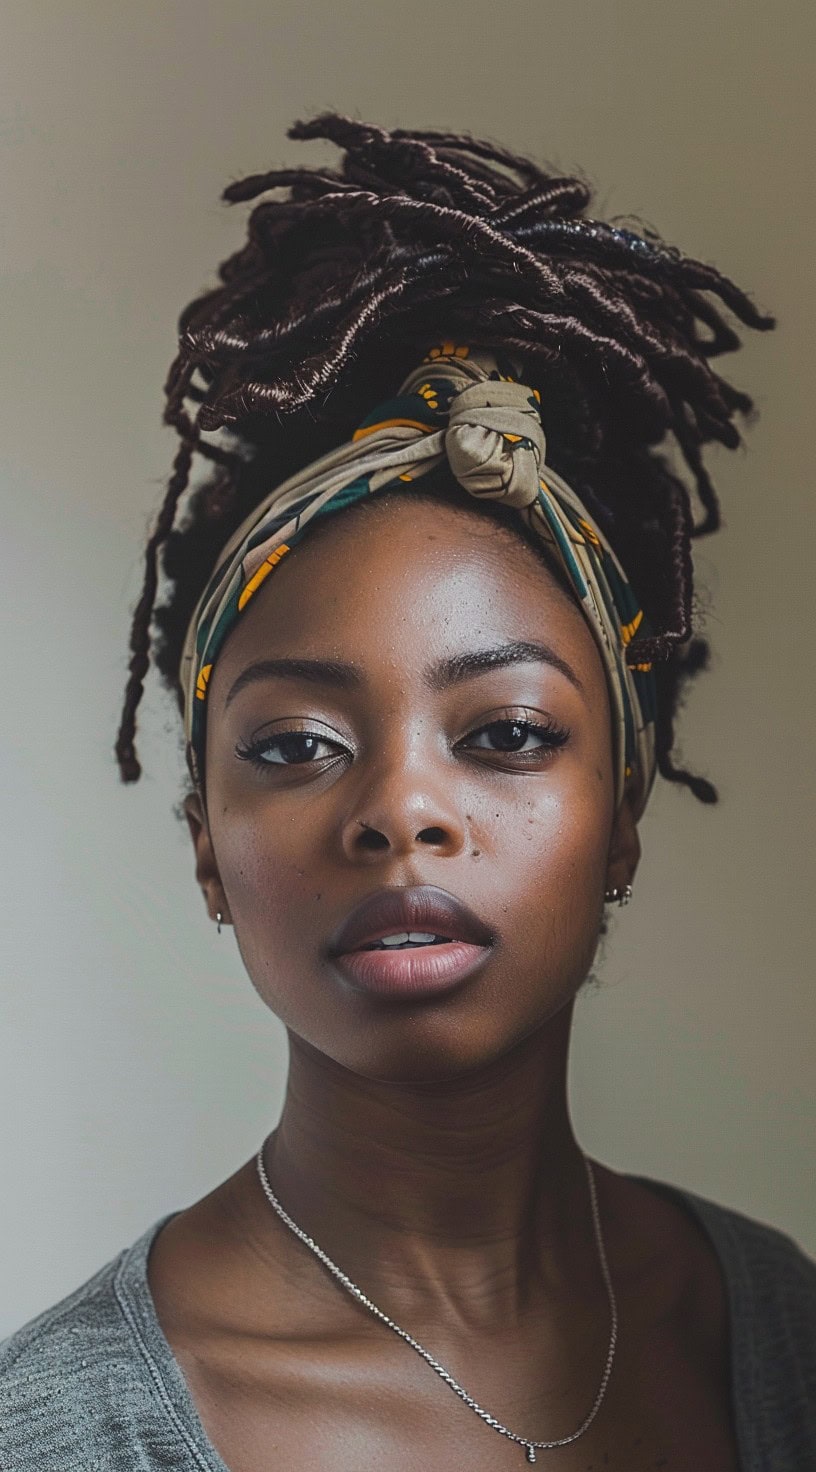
553 736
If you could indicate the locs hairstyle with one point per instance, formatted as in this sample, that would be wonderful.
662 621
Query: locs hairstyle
345 279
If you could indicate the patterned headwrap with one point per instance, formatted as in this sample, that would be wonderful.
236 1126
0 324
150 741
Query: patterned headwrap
463 405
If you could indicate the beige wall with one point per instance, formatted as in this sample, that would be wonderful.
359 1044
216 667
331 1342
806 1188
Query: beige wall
137 1066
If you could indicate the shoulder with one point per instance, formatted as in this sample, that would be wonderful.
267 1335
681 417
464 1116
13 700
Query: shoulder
73 1380
770 1285
761 1263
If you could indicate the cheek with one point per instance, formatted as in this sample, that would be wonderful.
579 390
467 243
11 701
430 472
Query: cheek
547 858
270 877
277 902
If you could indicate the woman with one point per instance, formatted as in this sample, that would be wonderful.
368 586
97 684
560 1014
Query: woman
420 736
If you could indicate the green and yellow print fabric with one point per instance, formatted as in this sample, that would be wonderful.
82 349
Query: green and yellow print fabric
465 406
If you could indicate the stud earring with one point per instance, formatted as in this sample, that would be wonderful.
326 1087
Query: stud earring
622 896
218 918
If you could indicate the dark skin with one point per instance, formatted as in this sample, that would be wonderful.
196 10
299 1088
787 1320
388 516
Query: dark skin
428 1146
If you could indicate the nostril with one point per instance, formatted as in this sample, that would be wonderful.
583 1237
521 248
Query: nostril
431 835
372 837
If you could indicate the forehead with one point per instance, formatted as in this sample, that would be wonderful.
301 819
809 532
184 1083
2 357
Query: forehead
399 581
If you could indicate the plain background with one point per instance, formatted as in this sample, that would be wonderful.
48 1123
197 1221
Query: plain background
137 1066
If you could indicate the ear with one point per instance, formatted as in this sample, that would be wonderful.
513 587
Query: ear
624 846
206 869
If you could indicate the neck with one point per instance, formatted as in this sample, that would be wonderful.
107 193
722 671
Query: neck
415 1181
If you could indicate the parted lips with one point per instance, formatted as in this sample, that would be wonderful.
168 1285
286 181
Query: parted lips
421 908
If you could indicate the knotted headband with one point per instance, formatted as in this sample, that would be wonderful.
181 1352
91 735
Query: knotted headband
463 405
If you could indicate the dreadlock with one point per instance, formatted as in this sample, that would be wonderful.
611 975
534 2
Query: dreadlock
345 280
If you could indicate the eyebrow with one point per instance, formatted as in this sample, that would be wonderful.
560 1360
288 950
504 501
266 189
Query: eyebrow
439 676
480 661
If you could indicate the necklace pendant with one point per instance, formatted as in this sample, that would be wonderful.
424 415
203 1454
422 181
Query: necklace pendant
531 1456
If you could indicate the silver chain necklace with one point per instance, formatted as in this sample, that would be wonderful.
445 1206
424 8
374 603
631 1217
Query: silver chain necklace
530 1446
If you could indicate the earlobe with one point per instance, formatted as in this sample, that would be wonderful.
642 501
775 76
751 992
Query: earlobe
206 868
624 847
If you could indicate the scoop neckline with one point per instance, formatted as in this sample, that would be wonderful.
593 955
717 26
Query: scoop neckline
131 1287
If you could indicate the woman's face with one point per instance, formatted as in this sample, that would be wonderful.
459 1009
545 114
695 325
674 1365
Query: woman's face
406 762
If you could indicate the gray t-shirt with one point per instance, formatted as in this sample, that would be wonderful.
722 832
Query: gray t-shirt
92 1385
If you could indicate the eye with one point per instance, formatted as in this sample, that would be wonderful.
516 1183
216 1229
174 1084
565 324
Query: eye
289 749
518 737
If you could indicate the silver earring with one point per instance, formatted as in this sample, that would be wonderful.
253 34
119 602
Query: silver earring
622 896
218 918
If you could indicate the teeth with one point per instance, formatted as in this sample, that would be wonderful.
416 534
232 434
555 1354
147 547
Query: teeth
418 937
406 938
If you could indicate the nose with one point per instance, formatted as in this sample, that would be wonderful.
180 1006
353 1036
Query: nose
405 805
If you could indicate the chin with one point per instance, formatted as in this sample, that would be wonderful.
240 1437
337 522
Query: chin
426 1051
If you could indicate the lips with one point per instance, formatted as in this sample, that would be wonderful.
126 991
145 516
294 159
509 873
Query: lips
394 911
